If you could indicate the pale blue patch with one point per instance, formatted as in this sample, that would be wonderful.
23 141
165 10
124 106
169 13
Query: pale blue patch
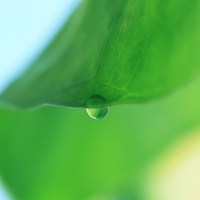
3 194
26 27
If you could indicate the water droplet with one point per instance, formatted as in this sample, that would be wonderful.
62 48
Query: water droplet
97 113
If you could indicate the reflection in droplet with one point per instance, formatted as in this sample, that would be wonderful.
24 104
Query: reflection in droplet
97 113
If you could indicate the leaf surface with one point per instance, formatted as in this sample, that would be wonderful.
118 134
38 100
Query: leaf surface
119 51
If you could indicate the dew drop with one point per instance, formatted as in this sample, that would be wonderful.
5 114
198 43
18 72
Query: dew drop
97 113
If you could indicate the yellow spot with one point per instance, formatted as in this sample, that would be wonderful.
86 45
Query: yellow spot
176 174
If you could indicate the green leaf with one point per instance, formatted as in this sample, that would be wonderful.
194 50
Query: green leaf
121 51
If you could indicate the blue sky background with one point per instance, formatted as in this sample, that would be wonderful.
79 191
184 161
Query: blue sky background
26 27
3 194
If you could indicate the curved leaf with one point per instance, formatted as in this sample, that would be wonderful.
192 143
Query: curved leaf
119 51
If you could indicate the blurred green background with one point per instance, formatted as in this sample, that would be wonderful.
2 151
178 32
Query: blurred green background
59 153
